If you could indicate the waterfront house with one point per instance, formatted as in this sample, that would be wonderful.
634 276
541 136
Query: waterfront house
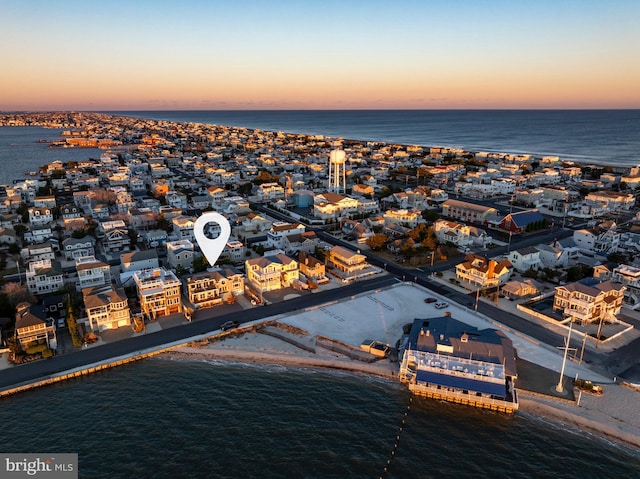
107 308
312 267
158 292
349 264
210 288
588 300
449 360
31 329
271 272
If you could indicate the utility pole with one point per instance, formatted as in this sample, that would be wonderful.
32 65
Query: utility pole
477 297
559 387
584 340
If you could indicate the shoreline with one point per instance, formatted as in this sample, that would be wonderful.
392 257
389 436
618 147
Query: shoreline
266 350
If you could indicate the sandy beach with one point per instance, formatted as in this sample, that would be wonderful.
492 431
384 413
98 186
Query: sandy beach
285 341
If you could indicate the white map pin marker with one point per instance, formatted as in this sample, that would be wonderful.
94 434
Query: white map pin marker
212 248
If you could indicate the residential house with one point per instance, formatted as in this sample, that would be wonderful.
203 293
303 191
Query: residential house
37 252
40 216
92 272
553 255
154 238
597 240
107 308
235 251
407 217
114 236
139 260
482 273
38 234
312 267
271 272
357 230
306 241
8 236
31 329
348 263
524 259
334 205
48 201
210 288
589 301
158 292
70 212
612 200
74 248
43 278
142 219
54 306
629 276
281 229
255 223
269 191
520 289
183 227
180 254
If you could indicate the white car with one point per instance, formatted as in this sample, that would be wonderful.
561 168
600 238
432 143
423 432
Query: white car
441 305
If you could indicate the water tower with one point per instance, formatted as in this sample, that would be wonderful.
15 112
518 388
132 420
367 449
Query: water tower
337 174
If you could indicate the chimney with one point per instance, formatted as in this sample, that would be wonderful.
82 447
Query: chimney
491 269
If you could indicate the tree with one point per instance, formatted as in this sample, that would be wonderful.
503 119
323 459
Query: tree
430 215
430 241
377 242
17 293
200 264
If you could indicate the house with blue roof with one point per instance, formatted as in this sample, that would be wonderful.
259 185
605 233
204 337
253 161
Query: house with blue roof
450 360
522 221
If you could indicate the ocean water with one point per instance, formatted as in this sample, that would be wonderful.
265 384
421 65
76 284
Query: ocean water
163 418
20 152
587 136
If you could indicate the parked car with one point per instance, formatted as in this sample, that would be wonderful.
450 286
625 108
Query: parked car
430 300
441 305
229 325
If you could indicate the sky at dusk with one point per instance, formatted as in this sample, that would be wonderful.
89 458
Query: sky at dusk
329 54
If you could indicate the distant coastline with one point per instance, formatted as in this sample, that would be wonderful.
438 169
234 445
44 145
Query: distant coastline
584 136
